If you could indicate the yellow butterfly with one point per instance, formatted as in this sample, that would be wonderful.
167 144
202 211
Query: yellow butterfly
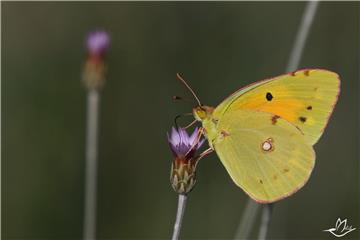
264 133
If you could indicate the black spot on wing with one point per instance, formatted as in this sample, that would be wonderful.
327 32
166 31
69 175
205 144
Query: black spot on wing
269 96
302 119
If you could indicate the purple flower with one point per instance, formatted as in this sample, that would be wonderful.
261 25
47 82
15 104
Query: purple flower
182 145
183 167
98 42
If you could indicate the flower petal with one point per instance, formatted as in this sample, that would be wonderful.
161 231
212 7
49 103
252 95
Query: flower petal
183 145
184 137
201 142
98 42
193 136
175 138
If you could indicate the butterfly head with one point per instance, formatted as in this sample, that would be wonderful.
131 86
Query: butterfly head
202 112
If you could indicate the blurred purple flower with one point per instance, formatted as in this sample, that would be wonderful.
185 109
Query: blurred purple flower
98 42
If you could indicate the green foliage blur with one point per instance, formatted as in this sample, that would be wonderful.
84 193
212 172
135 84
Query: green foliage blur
218 47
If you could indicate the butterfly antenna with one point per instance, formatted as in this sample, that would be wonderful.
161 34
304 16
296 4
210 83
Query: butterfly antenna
188 87
178 98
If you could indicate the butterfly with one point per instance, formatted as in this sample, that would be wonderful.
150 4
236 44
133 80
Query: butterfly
264 133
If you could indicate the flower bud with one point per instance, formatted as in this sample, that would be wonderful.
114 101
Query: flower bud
183 168
183 175
97 44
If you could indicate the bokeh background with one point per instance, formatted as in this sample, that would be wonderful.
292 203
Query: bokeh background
218 47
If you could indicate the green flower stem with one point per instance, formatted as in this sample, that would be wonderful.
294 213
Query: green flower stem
179 216
91 165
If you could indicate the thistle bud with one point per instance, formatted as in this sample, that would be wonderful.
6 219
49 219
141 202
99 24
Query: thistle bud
183 168
97 44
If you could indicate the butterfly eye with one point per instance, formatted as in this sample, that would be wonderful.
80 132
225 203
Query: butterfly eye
199 113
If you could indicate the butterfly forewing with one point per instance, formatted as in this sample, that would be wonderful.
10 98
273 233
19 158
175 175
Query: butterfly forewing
305 98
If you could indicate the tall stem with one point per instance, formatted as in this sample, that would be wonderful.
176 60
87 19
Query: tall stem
91 165
265 221
247 220
302 35
248 217
179 216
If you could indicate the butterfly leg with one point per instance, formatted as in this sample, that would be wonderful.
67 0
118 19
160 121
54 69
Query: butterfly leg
190 124
205 153
196 142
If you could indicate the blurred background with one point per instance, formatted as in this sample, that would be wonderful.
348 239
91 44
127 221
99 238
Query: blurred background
218 47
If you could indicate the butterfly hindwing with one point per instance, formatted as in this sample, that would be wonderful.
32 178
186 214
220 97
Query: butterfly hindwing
268 158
